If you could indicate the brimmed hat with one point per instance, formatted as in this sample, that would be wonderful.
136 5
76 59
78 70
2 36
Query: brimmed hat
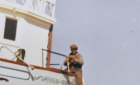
73 46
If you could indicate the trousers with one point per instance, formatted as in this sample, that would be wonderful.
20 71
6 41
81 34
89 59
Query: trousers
78 75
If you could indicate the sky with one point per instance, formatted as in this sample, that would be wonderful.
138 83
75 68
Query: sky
107 33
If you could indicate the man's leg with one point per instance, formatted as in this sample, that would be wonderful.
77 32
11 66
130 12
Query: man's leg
78 76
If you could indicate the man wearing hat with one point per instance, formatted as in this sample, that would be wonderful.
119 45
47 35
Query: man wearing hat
76 62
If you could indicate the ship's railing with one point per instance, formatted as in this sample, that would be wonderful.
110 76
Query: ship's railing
18 56
7 49
41 6
53 53
42 56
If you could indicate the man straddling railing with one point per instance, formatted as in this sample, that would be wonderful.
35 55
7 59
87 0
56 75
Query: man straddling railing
74 61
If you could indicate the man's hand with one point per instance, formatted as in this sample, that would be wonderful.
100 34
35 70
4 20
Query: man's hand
72 57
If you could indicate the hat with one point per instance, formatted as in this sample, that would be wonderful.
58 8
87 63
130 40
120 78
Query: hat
73 46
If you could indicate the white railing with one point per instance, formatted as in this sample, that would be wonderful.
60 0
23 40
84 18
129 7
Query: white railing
41 6
6 46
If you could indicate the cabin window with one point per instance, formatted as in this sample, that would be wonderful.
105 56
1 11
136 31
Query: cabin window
10 29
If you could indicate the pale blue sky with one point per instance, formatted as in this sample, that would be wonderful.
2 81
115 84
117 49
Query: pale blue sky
108 35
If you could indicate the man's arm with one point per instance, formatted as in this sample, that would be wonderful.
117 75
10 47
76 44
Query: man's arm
65 62
79 60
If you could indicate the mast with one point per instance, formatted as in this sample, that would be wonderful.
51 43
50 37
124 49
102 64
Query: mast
49 46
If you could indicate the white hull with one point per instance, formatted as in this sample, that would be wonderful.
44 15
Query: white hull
21 75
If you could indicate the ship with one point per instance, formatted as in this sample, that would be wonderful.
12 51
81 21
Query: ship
26 29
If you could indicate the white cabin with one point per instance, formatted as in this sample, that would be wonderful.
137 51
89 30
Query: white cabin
27 24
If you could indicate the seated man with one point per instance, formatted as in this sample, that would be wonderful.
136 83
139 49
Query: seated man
21 54
76 61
